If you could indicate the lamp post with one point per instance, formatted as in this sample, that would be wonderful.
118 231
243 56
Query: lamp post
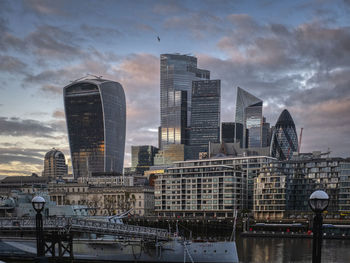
318 202
38 203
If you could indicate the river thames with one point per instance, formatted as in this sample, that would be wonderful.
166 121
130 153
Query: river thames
275 250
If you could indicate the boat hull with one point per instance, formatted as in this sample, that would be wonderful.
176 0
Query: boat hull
136 250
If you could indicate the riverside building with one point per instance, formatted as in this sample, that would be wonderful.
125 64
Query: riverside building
283 188
208 187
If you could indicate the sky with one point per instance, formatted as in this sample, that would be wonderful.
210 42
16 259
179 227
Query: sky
291 54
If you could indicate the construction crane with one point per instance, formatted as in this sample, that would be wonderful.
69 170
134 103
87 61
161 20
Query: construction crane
300 136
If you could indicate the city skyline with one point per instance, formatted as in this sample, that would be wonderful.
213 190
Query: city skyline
290 55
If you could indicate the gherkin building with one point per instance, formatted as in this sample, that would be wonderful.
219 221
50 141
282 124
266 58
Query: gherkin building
284 139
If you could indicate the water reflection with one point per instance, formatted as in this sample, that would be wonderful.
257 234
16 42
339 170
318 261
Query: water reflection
287 250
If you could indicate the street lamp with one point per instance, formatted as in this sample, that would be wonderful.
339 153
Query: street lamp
318 202
38 203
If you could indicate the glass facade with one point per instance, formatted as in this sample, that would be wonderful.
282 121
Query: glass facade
205 115
176 75
142 157
284 138
266 134
249 114
228 132
300 178
96 120
344 187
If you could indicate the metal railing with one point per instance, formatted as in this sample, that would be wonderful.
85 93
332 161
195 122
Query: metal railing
69 224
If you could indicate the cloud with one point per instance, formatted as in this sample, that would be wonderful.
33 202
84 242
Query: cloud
54 42
19 127
51 89
169 7
31 156
304 68
59 114
8 40
326 125
43 7
11 64
199 25
98 33
139 75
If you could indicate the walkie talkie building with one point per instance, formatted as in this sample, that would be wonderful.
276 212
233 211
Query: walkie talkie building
96 121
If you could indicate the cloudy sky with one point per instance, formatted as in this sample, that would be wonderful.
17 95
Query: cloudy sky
291 54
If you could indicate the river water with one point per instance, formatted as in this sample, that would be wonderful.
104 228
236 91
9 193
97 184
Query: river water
276 250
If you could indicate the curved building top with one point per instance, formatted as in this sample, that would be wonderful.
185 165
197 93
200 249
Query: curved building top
285 119
54 153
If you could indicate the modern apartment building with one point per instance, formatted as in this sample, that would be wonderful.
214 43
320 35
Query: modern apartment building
344 186
283 188
209 187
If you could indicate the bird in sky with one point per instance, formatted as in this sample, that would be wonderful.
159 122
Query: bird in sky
158 38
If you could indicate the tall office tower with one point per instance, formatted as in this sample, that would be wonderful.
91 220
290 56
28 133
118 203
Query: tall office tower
284 139
55 164
96 119
205 115
176 75
266 134
249 114
142 157
228 132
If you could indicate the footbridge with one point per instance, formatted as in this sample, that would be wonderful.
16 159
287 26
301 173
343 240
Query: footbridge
70 225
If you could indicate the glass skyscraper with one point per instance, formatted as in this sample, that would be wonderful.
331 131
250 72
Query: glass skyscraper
96 121
142 157
284 140
176 75
249 114
205 115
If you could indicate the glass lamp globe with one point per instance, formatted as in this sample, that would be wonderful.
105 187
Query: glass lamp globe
319 201
38 203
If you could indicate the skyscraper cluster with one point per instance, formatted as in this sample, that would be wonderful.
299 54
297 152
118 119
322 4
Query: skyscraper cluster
189 105
190 114
189 121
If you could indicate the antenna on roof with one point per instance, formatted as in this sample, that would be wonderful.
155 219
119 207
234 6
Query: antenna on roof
72 81
86 76
98 77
